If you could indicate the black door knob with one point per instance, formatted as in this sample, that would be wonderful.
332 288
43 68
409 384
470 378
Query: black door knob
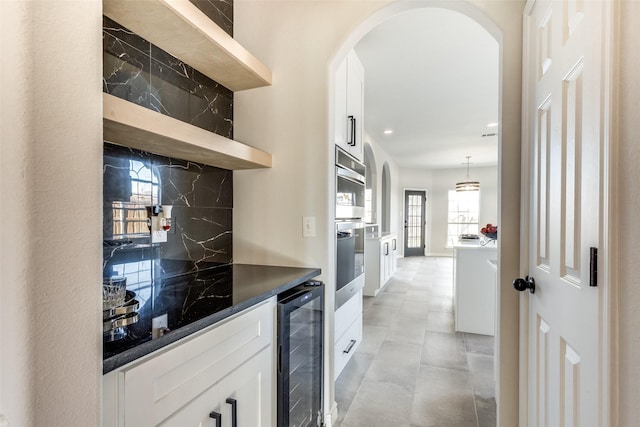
521 284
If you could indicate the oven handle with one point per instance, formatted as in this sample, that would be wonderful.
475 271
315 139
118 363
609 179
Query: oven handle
349 175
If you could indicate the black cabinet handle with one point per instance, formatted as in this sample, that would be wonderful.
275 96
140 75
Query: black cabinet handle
234 411
348 349
218 417
352 131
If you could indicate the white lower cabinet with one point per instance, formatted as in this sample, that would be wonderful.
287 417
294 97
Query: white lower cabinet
348 332
380 262
186 384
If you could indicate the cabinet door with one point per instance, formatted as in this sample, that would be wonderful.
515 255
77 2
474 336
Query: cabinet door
341 116
156 389
384 262
355 105
394 256
248 388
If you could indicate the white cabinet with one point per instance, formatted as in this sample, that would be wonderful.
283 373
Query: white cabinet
349 107
475 289
348 332
184 385
380 262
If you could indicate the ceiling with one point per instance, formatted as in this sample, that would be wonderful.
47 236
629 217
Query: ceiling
431 76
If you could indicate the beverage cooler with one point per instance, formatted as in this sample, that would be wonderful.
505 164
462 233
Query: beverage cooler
300 337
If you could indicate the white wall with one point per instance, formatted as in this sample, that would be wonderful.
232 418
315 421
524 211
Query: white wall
628 201
437 183
303 42
382 158
50 212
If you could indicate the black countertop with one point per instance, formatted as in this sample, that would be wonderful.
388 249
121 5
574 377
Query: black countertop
195 301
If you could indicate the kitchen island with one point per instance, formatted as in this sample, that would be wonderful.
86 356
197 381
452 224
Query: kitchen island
475 287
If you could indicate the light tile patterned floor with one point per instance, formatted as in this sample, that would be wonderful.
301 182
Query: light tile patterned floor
412 369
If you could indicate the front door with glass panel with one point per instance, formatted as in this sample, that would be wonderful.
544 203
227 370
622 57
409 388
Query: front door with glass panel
414 221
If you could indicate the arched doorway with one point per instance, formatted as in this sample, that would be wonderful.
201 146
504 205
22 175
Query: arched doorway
508 186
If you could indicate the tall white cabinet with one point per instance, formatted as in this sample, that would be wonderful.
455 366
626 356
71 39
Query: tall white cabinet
349 106
225 372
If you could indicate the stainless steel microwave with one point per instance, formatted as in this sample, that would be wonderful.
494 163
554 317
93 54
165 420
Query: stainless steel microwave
350 187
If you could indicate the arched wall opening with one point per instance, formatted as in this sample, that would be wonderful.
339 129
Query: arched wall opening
500 25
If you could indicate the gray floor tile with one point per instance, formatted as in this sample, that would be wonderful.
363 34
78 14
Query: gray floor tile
367 302
486 410
444 350
416 310
481 371
483 344
349 382
379 404
372 338
440 303
397 286
443 397
389 299
396 363
406 330
379 315
441 321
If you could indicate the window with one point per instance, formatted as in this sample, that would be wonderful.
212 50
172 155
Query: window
464 209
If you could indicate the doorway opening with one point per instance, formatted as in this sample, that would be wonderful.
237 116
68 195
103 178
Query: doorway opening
391 198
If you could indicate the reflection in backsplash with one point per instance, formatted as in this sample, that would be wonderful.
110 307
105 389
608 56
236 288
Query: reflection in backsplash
142 73
201 235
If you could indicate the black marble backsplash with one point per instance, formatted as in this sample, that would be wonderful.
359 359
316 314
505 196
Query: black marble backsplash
140 72
201 234
219 11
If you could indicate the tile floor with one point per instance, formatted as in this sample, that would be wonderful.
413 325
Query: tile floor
412 369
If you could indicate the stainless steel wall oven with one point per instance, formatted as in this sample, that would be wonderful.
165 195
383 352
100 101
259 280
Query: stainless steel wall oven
349 260
350 229
350 187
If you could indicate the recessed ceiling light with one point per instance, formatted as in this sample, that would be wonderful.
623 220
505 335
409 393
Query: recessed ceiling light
492 125
388 131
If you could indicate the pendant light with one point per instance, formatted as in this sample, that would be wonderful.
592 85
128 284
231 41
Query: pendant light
468 185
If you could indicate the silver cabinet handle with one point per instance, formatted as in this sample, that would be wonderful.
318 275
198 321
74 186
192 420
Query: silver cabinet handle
349 347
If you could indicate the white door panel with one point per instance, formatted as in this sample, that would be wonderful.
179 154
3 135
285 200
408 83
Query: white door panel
564 86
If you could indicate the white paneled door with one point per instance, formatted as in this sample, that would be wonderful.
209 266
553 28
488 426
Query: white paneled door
566 120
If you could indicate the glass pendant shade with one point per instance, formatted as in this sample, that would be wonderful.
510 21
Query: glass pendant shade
468 185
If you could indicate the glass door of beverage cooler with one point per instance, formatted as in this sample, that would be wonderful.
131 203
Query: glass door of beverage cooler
300 336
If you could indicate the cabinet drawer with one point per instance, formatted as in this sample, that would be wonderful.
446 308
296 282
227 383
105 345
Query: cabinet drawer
156 388
346 314
346 345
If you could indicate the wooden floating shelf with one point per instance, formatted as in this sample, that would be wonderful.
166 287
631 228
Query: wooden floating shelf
181 29
131 125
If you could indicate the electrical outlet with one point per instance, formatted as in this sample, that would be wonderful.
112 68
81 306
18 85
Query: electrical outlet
159 325
308 226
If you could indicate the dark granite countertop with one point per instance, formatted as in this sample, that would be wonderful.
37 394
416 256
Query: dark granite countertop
195 301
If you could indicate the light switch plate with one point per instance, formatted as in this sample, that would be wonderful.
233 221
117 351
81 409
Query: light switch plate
308 226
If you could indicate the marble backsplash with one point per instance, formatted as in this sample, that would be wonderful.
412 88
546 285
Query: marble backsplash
140 72
201 233
219 11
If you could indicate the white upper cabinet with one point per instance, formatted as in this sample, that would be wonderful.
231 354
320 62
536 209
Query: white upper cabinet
349 106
